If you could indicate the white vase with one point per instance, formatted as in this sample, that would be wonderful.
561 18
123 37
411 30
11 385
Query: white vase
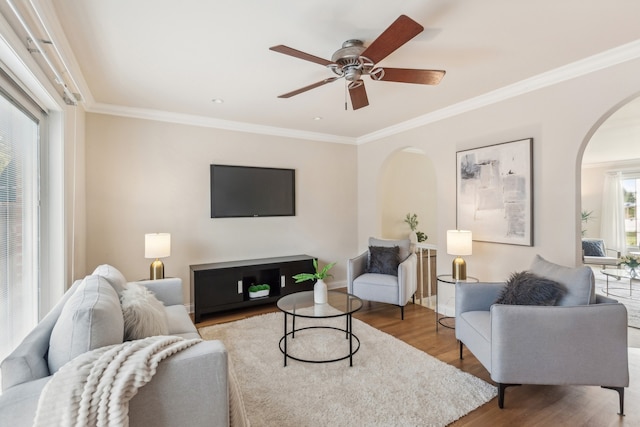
320 292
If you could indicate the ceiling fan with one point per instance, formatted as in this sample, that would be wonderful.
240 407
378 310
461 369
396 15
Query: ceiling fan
354 60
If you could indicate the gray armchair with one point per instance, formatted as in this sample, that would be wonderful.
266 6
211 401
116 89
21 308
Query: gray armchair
595 252
366 280
580 341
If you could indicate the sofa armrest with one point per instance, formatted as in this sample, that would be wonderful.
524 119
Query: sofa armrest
559 345
356 267
190 387
601 299
168 290
476 296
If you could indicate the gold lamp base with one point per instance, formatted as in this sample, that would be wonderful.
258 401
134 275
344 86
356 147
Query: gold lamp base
459 269
156 271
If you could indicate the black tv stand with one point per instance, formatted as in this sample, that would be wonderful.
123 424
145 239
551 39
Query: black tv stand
224 286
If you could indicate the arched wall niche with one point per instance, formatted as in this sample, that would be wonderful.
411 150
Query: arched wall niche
407 184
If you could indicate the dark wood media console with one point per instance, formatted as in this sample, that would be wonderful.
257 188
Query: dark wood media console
224 286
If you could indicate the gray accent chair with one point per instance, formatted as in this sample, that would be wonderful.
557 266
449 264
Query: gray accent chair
595 252
582 340
385 288
173 397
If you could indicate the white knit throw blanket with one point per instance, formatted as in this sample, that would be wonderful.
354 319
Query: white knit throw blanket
94 389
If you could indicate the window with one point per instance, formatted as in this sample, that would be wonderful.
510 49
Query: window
19 217
630 188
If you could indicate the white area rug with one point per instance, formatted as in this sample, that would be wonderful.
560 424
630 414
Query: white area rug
390 384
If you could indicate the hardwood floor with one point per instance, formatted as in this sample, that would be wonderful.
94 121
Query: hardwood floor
527 405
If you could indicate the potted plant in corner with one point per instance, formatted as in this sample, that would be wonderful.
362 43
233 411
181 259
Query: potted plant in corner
415 236
257 291
320 288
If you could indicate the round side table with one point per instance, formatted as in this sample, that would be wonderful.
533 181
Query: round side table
448 278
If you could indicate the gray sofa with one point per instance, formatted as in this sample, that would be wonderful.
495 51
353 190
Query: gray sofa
582 340
189 387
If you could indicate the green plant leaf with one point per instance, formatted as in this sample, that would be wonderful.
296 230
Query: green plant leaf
301 277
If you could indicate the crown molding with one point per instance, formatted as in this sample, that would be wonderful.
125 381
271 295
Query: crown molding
202 121
622 165
570 71
612 57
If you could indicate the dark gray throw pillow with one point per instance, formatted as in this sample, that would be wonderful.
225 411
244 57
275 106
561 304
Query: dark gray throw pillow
593 248
384 260
526 288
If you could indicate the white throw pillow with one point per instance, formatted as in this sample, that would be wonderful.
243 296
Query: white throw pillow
144 315
112 275
90 319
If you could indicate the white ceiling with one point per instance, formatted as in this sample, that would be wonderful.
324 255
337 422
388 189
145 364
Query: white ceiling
168 58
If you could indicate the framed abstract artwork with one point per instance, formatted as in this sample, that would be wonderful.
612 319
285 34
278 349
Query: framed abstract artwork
495 192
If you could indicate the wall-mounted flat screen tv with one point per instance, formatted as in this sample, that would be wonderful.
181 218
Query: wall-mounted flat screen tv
246 191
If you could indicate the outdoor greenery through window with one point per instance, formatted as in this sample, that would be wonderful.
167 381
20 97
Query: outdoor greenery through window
630 187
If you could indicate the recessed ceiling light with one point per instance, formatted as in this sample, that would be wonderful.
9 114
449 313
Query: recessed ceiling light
218 101
317 118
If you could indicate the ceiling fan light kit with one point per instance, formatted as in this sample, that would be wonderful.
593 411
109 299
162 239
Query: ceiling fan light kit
354 60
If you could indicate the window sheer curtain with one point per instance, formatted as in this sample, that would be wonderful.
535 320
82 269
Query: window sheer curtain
612 221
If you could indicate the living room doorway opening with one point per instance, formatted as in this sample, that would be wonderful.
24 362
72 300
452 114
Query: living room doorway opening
609 176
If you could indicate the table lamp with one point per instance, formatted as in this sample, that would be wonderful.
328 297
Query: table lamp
458 244
157 245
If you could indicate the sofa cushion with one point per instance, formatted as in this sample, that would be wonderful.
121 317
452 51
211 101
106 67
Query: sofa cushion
526 288
579 281
383 260
144 316
113 276
90 319
179 321
404 246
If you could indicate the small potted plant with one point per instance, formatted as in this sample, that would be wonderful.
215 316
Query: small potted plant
320 288
257 291
415 235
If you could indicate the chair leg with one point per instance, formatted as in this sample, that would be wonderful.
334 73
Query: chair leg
402 312
620 391
501 389
461 358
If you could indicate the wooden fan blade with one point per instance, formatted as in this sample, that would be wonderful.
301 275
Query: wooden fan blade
306 88
358 96
406 75
299 54
401 31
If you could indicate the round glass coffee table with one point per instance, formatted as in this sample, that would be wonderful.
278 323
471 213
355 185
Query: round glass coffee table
300 304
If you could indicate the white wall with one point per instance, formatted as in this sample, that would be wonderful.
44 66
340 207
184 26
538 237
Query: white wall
591 198
560 119
145 176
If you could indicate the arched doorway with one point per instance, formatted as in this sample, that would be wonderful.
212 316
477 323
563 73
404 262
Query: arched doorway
614 149
610 186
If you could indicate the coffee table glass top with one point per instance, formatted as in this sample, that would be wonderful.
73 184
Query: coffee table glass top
618 273
301 304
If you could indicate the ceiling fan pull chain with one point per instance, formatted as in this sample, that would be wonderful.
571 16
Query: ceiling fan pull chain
345 94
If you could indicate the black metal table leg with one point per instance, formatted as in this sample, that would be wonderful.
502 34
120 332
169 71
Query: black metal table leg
285 339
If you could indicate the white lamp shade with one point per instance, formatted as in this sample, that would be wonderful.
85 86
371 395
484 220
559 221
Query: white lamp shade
459 242
157 245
